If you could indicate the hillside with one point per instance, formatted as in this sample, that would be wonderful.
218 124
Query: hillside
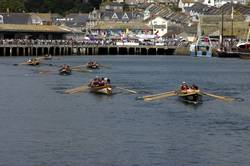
54 6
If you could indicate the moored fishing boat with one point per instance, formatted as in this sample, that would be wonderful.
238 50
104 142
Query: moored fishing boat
222 53
244 50
65 70
202 47
101 86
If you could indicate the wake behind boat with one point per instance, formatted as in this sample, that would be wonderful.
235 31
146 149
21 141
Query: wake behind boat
100 86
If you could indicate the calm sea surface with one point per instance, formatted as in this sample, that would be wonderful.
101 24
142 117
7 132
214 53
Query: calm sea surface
41 126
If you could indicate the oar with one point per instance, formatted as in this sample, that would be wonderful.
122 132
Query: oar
76 67
44 71
155 95
23 63
81 70
224 98
39 58
108 67
160 96
131 91
77 89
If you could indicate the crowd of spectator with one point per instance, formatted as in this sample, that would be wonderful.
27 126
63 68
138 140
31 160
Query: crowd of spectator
99 42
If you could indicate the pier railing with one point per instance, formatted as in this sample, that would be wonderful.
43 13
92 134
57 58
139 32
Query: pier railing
25 47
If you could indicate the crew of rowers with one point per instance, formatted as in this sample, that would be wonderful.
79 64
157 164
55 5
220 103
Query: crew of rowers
186 89
92 64
32 61
65 67
97 82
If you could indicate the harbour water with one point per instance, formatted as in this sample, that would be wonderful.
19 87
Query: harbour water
42 126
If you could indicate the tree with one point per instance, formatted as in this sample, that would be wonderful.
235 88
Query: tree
60 6
12 5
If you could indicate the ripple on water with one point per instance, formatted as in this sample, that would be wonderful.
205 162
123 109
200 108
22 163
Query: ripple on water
41 126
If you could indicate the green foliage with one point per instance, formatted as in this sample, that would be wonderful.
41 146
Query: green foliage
56 6
12 5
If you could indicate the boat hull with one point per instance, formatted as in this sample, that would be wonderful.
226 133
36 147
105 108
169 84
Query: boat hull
106 89
190 98
33 63
244 54
93 66
202 48
244 49
47 58
228 54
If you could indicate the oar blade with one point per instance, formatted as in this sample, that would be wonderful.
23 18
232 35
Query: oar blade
105 66
22 63
224 98
128 90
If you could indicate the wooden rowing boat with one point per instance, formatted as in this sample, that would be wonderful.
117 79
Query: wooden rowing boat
32 62
93 66
65 71
106 89
190 96
47 57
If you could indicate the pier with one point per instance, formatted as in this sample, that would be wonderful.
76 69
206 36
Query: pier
71 48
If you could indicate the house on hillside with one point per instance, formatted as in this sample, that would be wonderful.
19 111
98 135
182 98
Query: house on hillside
76 20
41 18
159 25
24 31
132 2
121 16
120 29
112 6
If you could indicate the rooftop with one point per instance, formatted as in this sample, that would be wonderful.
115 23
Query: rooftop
31 28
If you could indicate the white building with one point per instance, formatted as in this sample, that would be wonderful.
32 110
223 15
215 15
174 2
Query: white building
159 25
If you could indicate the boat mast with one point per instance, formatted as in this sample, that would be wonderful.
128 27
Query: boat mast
248 33
222 27
232 24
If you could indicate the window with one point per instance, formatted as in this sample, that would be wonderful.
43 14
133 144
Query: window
114 16
125 16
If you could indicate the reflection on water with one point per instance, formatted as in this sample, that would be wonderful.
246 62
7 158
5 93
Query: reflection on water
40 125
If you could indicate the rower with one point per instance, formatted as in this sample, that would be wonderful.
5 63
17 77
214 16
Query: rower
184 86
195 88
